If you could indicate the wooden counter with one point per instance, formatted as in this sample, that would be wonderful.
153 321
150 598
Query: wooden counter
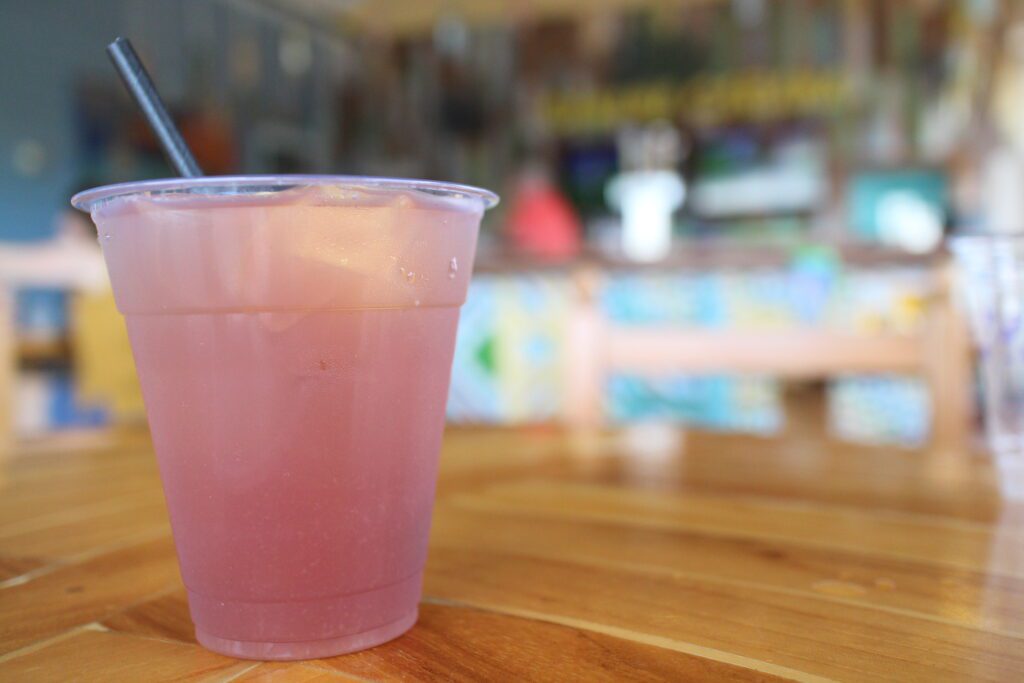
639 555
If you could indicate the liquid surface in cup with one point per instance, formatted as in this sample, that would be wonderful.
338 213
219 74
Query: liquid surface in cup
294 351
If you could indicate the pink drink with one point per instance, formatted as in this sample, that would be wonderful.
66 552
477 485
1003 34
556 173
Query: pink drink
294 348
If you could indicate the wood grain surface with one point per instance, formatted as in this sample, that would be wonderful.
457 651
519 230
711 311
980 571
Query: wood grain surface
638 555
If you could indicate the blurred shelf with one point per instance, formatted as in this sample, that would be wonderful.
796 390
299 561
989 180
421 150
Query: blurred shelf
33 352
701 255
794 353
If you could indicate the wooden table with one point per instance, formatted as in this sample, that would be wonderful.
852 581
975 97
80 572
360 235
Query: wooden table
636 555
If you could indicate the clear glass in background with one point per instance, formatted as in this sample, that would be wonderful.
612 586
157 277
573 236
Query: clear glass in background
293 337
991 271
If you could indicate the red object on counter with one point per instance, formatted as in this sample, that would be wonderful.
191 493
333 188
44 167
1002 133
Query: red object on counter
542 221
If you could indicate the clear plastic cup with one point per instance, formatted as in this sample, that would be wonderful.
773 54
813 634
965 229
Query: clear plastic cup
293 337
992 284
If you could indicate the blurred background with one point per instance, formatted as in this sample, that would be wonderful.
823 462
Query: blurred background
727 214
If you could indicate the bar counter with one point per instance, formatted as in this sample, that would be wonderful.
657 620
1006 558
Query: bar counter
638 554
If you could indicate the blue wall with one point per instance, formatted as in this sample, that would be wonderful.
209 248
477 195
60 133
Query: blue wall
45 47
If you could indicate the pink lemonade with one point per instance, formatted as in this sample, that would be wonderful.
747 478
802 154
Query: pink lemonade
294 347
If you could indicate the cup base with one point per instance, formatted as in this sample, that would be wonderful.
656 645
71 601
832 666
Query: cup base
314 649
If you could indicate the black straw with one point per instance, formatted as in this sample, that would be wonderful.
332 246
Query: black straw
140 85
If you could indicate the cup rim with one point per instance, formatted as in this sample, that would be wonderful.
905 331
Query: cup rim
87 200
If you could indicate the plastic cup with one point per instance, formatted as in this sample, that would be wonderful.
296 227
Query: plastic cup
293 337
992 284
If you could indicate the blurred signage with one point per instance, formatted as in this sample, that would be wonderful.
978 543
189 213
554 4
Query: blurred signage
707 100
